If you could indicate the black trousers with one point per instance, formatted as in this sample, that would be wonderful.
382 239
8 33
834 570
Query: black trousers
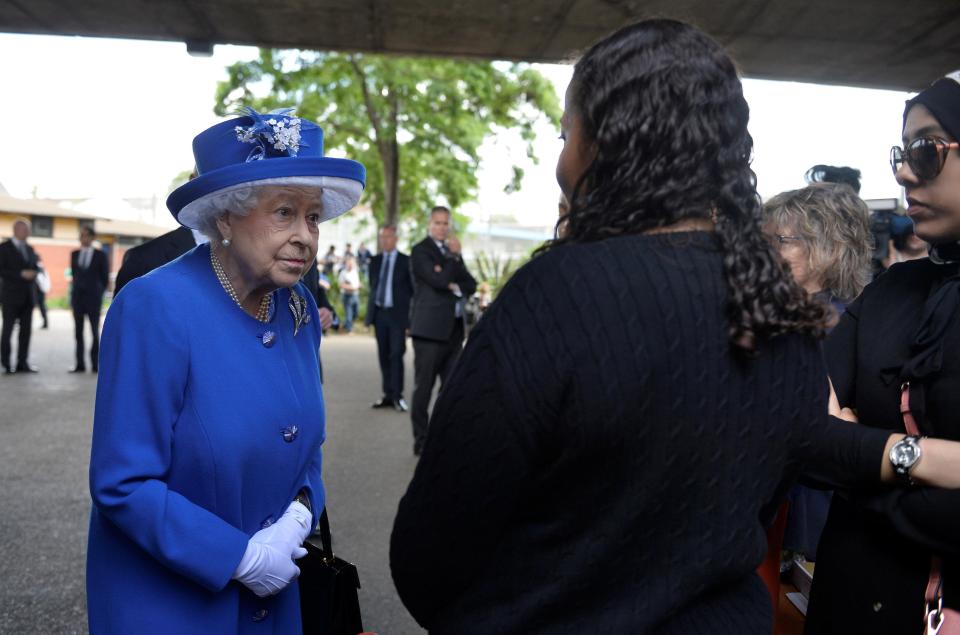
42 305
79 315
391 346
13 312
431 359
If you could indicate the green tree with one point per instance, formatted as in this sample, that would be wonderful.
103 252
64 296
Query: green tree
416 123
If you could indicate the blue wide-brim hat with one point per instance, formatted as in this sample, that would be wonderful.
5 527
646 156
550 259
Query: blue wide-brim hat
275 148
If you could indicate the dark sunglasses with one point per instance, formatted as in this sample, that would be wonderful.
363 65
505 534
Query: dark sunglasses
925 156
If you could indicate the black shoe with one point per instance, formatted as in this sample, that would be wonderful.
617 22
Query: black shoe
7 371
94 370
384 402
26 368
78 369
45 326
400 405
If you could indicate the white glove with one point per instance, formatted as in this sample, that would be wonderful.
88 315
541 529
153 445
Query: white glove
266 570
291 529
267 565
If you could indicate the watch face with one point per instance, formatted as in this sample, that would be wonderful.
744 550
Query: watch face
904 453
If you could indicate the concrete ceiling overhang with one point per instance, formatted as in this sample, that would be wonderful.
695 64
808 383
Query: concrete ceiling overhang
874 43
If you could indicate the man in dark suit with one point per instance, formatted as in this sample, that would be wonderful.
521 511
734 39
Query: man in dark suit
144 258
388 310
90 275
441 286
18 269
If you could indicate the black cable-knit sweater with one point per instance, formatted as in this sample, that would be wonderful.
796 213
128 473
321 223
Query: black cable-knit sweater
600 461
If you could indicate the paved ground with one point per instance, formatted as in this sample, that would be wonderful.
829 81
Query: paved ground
45 424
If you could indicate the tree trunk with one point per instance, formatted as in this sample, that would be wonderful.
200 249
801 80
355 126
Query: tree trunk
390 155
386 140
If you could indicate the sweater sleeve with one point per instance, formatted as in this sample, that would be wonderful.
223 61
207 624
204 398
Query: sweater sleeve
144 359
834 452
469 480
481 456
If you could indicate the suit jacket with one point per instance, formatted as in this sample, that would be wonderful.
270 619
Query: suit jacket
16 290
402 285
86 293
433 313
144 258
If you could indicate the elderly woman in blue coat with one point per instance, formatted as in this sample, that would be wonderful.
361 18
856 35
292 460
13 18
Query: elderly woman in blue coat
205 469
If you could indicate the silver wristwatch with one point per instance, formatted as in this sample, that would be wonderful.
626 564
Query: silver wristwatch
905 454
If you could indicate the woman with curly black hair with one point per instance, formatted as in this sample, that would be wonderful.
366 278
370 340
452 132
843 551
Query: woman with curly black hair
625 417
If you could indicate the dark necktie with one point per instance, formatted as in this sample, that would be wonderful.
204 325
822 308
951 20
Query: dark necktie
382 282
24 252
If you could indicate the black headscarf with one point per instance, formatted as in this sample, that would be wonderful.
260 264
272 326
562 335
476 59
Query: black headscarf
942 308
942 99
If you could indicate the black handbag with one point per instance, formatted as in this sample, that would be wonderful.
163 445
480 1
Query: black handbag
329 604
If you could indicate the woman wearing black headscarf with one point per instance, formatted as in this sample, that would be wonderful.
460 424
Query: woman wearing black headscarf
898 348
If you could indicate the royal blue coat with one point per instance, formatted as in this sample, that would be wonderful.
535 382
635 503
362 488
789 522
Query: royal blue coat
202 435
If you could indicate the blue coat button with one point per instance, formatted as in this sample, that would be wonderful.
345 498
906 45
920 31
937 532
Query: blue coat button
260 615
290 433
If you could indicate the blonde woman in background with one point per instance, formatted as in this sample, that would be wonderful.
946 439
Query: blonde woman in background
823 233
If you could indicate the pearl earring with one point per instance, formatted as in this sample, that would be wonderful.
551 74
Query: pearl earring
225 242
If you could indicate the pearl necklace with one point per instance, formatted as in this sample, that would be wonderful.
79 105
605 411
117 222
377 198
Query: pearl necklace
263 313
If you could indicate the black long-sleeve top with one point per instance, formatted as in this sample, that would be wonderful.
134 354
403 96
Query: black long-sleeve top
601 461
874 558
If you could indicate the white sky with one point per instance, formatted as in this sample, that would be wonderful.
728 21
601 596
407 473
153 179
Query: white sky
115 118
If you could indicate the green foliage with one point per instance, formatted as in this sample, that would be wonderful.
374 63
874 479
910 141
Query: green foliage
58 302
416 123
495 269
180 179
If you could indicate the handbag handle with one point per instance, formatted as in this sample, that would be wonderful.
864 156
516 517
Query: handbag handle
326 540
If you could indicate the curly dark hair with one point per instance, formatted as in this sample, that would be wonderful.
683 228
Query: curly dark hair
663 105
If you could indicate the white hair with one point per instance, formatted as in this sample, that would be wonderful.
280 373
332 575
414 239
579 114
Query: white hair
241 199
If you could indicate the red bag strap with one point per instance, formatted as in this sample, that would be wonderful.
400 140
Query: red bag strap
908 421
934 591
